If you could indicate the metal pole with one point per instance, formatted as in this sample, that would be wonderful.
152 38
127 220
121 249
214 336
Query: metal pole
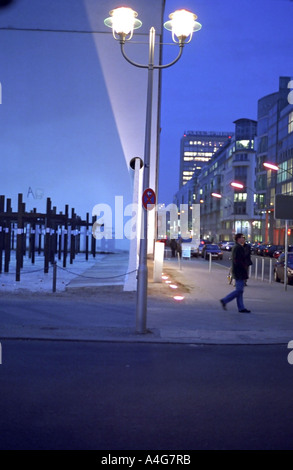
286 256
142 275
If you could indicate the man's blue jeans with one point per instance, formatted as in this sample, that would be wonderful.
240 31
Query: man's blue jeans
236 294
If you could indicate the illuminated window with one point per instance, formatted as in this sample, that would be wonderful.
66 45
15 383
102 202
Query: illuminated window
287 188
198 154
285 171
240 197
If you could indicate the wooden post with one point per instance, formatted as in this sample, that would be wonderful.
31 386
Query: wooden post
53 239
65 241
47 236
23 236
8 237
2 201
87 237
94 218
72 237
59 231
19 240
33 239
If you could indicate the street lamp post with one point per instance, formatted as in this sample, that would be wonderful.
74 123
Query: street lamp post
123 22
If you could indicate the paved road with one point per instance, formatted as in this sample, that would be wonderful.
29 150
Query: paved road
58 395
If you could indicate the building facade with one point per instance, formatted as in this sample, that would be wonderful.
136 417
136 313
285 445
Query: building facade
196 150
274 145
250 206
225 209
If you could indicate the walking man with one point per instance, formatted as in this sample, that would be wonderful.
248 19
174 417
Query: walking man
239 273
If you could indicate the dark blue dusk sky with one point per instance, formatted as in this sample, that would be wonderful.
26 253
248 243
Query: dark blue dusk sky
243 48
236 58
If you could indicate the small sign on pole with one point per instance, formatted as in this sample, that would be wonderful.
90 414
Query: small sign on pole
149 199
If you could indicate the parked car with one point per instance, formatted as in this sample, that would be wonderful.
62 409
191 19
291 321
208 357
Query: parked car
214 249
199 250
202 243
254 248
279 269
227 246
260 249
270 250
277 253
193 244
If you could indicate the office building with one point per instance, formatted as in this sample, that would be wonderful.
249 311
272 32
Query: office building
226 210
197 149
274 145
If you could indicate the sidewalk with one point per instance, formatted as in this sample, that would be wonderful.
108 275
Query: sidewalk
94 307
202 316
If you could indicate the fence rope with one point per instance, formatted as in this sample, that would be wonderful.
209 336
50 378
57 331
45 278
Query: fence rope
97 278
74 274
23 272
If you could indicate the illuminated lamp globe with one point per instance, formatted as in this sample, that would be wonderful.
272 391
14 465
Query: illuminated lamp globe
182 24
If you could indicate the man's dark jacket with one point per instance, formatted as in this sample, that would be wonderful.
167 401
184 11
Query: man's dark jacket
239 269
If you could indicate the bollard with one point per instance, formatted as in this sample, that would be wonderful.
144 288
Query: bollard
256 267
262 269
210 262
179 261
271 271
158 261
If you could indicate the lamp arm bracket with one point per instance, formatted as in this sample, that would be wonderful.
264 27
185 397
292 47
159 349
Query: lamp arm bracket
142 66
181 45
122 42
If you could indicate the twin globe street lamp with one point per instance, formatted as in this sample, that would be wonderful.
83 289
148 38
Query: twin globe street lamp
123 21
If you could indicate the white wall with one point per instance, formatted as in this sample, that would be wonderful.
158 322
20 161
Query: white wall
73 110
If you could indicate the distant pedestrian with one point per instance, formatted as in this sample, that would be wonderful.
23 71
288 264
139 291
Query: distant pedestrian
239 273
173 246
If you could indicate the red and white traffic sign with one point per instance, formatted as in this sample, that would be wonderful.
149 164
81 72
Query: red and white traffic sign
149 198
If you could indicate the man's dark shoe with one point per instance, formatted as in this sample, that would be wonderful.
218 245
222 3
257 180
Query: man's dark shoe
244 311
223 304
